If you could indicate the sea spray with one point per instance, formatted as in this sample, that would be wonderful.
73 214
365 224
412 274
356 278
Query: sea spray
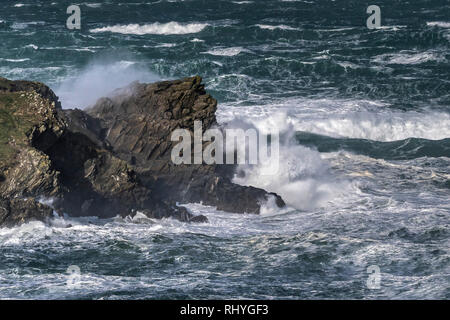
303 179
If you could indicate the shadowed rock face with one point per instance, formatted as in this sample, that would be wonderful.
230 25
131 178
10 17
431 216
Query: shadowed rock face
112 159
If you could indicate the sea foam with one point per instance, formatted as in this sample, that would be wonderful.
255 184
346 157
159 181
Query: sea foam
342 118
410 58
280 27
300 176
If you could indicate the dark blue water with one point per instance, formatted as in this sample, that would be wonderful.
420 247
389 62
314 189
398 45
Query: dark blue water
366 173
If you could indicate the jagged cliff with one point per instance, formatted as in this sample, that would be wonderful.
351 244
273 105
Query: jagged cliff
112 159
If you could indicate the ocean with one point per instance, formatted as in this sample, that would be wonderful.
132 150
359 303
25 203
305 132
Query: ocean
365 173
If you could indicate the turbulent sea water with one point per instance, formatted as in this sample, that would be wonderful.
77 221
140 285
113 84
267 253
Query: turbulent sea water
365 173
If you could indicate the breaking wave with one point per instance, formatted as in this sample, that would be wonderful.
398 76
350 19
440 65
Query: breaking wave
439 24
299 175
389 126
358 119
271 27
409 58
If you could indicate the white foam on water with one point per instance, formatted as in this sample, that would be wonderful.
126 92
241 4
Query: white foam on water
280 27
411 58
27 73
32 46
93 5
388 126
14 60
441 24
24 25
390 28
166 45
304 1
300 176
79 49
361 119
19 26
350 65
227 52
303 180
89 231
28 232
336 29
170 28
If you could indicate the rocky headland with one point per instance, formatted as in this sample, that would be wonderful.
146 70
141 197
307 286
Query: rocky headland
111 159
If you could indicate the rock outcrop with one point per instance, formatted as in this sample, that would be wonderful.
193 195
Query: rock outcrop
111 159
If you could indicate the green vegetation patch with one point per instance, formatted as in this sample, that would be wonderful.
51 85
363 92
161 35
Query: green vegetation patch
16 119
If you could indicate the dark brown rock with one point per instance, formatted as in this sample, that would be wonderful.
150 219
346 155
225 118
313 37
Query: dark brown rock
43 152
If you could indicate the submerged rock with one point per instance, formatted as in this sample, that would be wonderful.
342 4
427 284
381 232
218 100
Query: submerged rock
112 159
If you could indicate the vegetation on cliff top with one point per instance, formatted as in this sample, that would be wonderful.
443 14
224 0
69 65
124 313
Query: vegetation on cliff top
23 106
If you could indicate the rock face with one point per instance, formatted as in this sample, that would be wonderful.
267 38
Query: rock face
112 159
137 124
